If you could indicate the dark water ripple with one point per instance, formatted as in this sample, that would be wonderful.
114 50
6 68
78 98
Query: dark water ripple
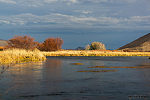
59 79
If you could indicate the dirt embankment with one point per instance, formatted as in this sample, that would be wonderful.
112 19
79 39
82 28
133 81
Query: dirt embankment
141 44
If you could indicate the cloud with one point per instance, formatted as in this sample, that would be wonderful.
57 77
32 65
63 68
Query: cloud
72 1
107 1
56 19
8 1
35 3
29 3
39 3
139 20
83 11
69 2
49 1
95 1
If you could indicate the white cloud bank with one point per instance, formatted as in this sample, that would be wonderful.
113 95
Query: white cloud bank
38 3
108 1
74 21
8 1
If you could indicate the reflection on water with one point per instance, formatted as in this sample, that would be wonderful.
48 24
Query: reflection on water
78 78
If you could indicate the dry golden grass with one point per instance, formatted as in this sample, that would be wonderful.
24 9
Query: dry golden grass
1 48
19 55
94 53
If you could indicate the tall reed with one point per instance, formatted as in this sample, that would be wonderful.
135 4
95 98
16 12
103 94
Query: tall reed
94 53
20 55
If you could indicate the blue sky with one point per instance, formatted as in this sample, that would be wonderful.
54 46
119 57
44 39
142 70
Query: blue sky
77 22
75 13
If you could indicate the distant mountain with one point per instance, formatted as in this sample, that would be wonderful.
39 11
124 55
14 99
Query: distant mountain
80 48
141 44
3 43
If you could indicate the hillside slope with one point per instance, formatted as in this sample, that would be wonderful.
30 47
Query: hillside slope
141 44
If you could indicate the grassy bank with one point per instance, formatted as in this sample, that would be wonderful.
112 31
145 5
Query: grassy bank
19 55
94 53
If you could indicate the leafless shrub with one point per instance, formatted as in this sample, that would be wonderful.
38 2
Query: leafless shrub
22 42
51 44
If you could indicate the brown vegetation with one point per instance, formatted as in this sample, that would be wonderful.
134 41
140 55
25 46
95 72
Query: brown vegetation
77 64
22 42
95 46
28 43
51 44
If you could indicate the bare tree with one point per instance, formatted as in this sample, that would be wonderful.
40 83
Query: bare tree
23 42
51 44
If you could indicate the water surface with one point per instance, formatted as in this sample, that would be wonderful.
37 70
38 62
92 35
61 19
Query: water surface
67 78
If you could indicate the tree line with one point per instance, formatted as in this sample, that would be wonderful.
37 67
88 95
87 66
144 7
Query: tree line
29 43
50 44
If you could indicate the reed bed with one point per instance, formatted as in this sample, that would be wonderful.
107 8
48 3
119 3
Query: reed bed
94 53
12 56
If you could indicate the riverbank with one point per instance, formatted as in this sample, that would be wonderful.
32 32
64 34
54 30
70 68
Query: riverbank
94 53
12 56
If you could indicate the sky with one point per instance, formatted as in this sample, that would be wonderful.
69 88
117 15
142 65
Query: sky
74 16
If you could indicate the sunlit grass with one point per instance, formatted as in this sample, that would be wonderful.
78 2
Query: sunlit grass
12 56
94 53
19 55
